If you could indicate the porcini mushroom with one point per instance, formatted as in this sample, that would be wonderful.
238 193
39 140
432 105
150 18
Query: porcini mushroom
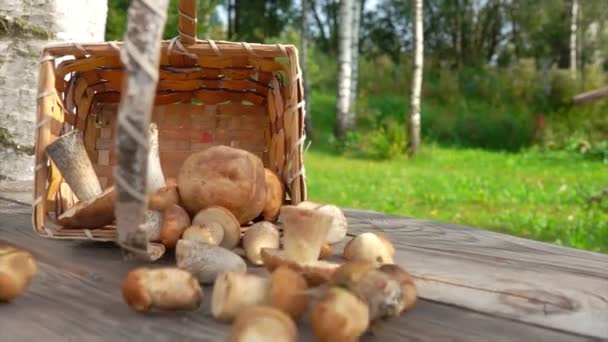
223 176
17 268
224 218
339 226
212 233
93 213
163 198
175 221
263 323
166 288
316 272
339 316
235 291
408 288
287 291
207 261
275 195
370 247
260 235
304 232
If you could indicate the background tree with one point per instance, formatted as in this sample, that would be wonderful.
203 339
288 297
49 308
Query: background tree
414 122
573 32
344 119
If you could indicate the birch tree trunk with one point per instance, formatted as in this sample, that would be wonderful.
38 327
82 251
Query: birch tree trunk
303 64
344 121
573 30
355 58
414 122
140 56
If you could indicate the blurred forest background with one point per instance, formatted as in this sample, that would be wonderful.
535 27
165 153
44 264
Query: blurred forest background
503 146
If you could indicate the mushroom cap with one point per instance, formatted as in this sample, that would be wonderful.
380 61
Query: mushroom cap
223 176
260 235
175 221
17 267
263 323
207 261
339 226
275 196
339 316
408 287
316 272
287 291
369 246
223 217
212 233
163 198
93 213
235 291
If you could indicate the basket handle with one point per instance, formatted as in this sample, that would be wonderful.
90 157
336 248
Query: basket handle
186 25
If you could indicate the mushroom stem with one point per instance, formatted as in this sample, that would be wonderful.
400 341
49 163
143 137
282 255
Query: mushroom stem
17 267
235 291
304 231
71 158
263 323
260 235
166 288
155 179
211 233
339 226
207 261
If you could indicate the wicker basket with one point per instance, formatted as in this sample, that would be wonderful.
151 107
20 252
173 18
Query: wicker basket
242 95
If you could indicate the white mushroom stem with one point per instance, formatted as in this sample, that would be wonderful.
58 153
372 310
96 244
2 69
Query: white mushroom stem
235 291
369 247
260 235
207 261
155 177
339 226
305 231
71 158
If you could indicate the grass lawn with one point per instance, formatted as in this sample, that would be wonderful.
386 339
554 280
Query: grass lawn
533 195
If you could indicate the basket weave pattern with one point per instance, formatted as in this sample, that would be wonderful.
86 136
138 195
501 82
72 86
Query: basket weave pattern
209 92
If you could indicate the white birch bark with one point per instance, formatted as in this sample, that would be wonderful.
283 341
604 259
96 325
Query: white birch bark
573 29
414 122
304 67
355 59
343 114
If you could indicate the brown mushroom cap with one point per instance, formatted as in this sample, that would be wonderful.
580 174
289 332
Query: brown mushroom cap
260 235
212 233
275 196
370 246
17 267
339 316
223 217
223 176
175 221
287 291
263 323
94 213
163 198
235 291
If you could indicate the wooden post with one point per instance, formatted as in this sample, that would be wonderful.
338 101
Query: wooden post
70 156
140 56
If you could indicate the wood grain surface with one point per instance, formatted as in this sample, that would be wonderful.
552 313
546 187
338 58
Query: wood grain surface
498 274
75 296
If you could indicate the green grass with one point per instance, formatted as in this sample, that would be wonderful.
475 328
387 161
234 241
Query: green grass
536 195
532 195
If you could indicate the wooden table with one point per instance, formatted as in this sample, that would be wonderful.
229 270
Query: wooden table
474 285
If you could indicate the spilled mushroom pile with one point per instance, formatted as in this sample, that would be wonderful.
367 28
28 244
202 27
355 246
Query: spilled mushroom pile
270 264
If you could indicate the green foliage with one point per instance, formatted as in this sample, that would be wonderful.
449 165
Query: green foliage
537 195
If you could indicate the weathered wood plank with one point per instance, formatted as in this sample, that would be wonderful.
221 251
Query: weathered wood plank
498 274
76 296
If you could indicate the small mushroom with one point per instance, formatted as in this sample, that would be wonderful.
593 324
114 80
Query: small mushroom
163 198
305 231
166 288
408 288
207 261
263 323
175 221
339 226
287 292
260 235
212 233
235 291
17 268
274 197
93 213
223 217
339 316
370 247
316 272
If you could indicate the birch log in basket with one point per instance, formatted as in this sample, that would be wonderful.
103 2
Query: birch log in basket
109 101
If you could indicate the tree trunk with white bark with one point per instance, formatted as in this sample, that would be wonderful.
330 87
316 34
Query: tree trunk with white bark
344 119
573 29
355 58
414 120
